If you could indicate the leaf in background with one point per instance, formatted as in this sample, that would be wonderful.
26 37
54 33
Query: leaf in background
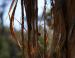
12 22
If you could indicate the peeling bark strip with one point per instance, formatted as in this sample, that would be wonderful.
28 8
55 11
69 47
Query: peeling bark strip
11 17
45 35
36 22
27 4
13 1
30 8
22 34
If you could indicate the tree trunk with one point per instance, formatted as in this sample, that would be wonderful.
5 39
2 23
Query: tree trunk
64 31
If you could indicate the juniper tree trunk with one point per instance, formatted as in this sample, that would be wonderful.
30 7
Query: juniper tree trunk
64 31
59 36
71 27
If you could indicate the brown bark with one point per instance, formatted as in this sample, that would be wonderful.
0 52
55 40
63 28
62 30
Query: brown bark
22 34
31 13
64 23
45 33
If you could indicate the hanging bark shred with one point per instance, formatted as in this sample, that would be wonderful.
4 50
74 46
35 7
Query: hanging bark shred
28 9
11 17
36 21
45 35
31 8
22 34
13 1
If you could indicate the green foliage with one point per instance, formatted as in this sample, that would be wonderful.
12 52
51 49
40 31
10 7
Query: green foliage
0 44
41 41
8 49
4 48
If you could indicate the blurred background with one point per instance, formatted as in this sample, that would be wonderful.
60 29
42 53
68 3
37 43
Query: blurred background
8 46
8 49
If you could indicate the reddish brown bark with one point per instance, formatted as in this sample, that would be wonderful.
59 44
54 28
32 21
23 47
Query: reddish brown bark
31 13
64 22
